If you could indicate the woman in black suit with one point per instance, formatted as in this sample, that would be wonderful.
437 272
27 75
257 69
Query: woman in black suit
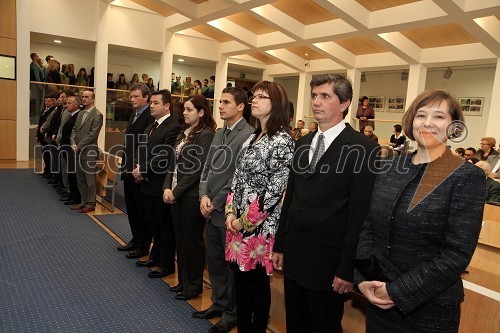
181 191
425 217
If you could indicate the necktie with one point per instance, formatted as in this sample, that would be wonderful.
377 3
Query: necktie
227 131
318 152
135 117
85 114
155 125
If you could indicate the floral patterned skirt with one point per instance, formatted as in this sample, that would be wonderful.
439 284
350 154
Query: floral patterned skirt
249 251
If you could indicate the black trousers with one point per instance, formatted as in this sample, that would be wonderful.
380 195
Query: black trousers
160 217
189 225
137 215
253 299
69 155
312 311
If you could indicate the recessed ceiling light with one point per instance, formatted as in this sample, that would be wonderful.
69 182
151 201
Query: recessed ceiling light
57 41
180 60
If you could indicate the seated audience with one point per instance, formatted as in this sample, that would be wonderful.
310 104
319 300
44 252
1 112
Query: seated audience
297 131
487 148
313 127
368 131
397 140
492 186
460 152
470 155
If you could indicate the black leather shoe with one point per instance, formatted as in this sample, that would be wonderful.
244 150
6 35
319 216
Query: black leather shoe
65 198
62 191
177 289
71 202
160 273
206 314
130 246
57 186
181 297
222 326
137 253
147 263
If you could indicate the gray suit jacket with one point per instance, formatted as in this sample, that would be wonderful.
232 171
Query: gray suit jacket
85 134
219 168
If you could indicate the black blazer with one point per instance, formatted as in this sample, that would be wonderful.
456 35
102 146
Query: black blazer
41 120
323 212
190 165
55 122
67 129
132 134
157 156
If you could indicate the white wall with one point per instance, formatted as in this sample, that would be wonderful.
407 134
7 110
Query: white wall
291 85
66 55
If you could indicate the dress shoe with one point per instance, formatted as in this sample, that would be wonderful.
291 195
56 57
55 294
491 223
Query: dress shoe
87 209
64 198
130 246
160 273
78 207
206 314
57 186
71 202
62 191
222 326
137 253
177 289
147 263
52 182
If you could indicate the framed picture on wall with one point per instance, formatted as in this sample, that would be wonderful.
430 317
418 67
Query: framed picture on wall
7 67
377 102
396 104
472 106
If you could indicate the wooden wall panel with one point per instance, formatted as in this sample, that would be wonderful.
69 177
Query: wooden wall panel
479 314
8 143
8 19
8 97
8 46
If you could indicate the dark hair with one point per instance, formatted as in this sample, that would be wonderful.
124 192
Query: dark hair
472 149
364 98
431 97
145 91
93 93
341 85
205 80
69 92
166 97
398 128
212 77
240 95
47 58
199 102
32 55
54 95
122 76
279 117
199 82
460 151
110 74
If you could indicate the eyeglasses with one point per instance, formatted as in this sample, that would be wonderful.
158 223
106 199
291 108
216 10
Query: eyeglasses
259 97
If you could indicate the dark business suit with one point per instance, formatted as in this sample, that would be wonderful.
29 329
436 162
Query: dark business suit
68 154
134 201
215 183
319 226
40 137
189 224
156 158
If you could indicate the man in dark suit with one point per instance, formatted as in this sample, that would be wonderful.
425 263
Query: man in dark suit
40 134
84 143
67 153
326 201
214 186
138 246
156 157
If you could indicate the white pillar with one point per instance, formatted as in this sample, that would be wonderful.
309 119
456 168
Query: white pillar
220 84
266 76
354 75
303 107
494 115
101 65
167 57
23 78
416 82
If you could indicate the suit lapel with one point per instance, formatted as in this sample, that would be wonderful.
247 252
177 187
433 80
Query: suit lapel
91 113
334 151
158 129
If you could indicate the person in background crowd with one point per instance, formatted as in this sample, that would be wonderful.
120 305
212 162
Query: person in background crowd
45 68
215 184
122 84
135 79
313 127
187 87
487 148
145 78
424 219
460 152
470 154
91 77
150 85
364 113
181 191
397 140
40 133
53 75
71 74
176 86
204 88
110 84
141 118
211 88
297 131
81 78
253 205
492 186
326 202
64 74
368 131
36 90
196 88
84 143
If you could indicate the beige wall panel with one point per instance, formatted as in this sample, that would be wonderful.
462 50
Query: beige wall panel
8 142
479 314
8 18
8 98
8 46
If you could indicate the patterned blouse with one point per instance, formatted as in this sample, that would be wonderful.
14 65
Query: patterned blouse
258 184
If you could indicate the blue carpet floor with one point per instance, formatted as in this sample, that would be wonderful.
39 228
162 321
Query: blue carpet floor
118 224
60 272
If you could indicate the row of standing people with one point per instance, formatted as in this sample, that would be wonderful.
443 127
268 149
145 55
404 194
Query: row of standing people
313 236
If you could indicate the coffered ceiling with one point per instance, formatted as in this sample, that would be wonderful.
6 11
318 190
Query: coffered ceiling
348 33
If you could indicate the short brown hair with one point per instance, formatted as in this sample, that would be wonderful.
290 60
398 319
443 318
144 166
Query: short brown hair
490 140
431 97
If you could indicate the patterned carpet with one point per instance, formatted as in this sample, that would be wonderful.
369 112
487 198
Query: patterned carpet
60 272
118 224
